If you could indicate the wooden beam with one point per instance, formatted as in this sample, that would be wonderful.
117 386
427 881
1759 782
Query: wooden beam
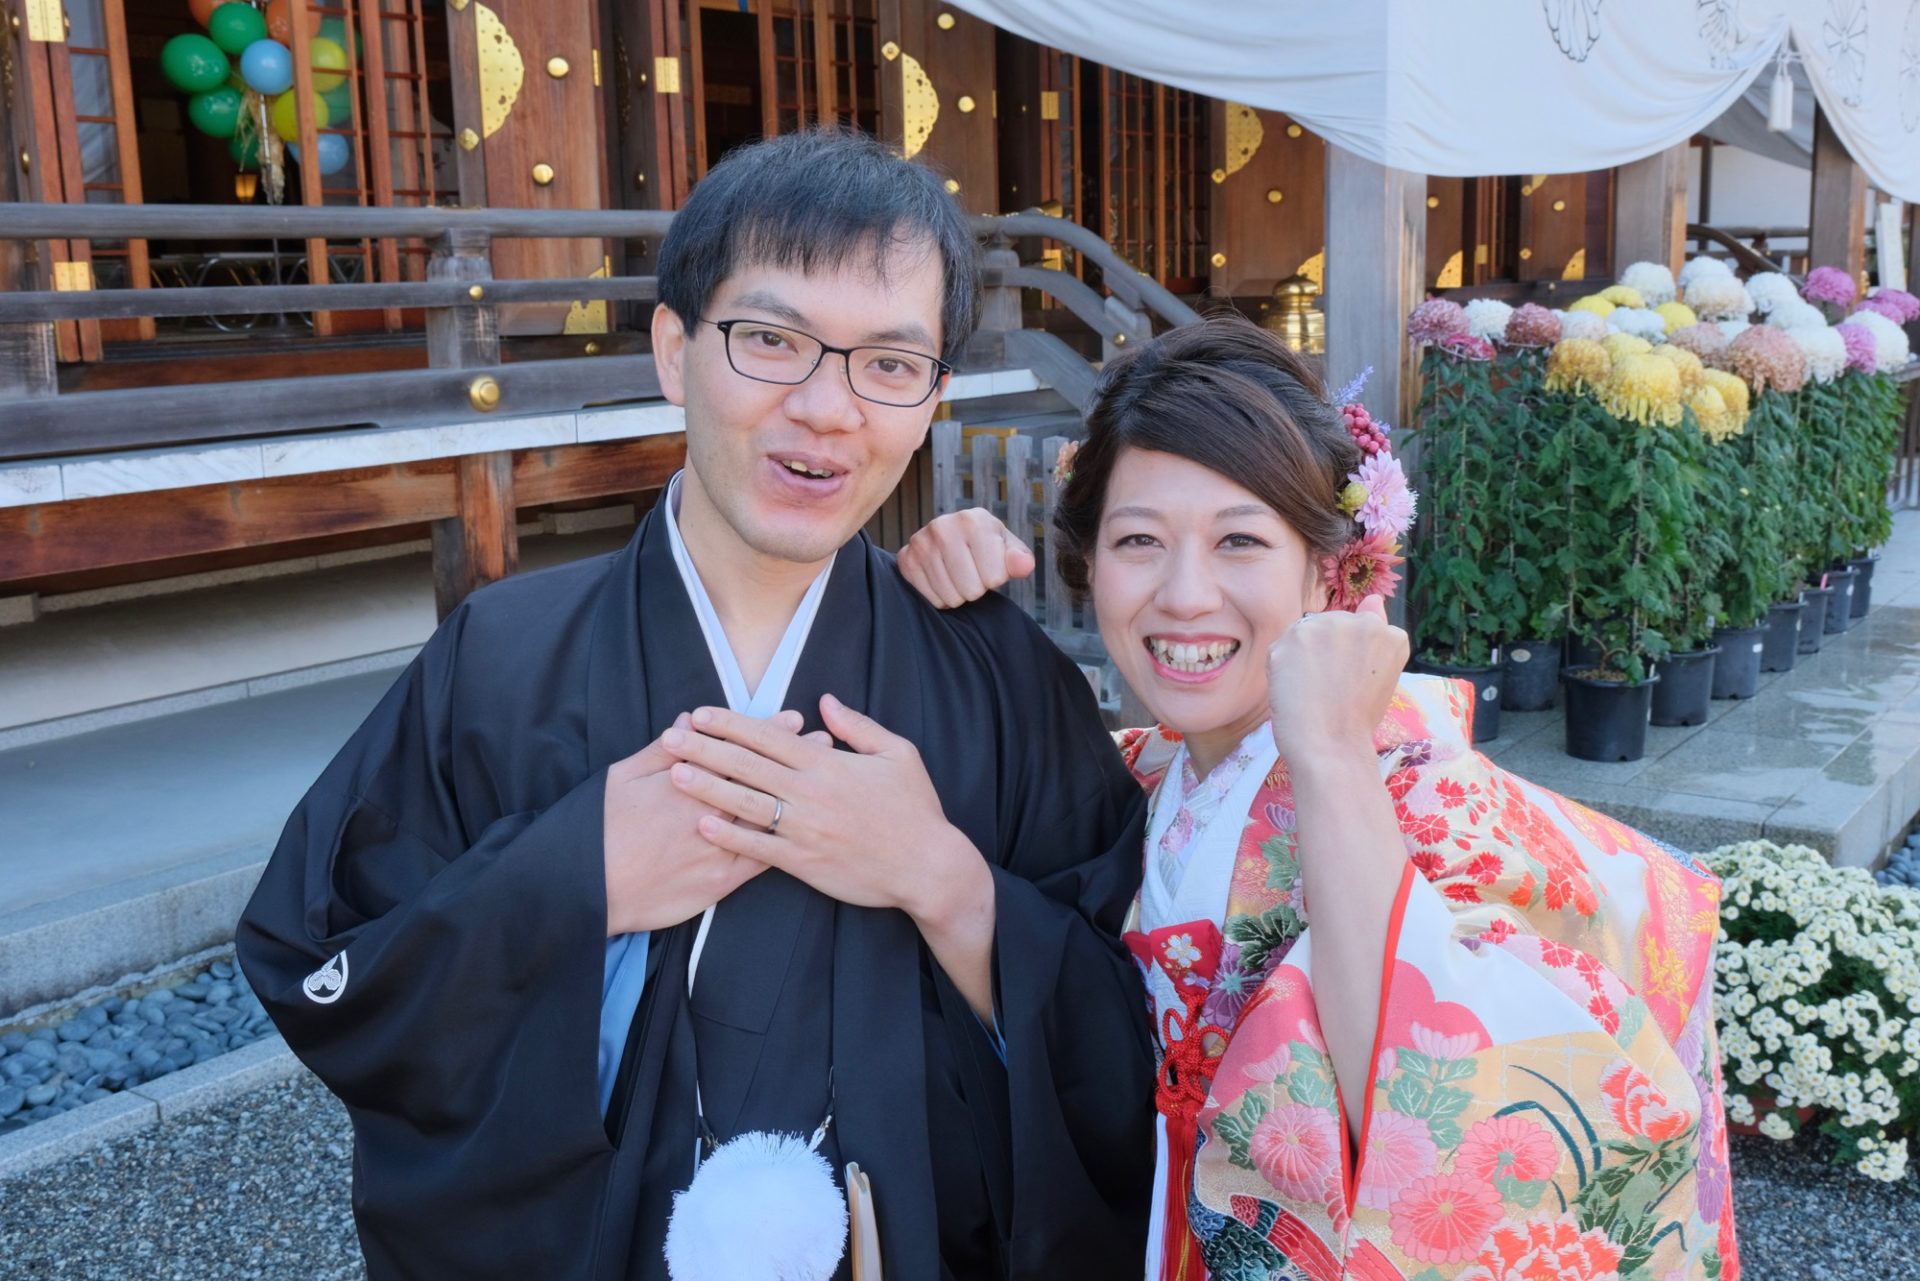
88 534
1375 274
1838 217
480 542
1650 209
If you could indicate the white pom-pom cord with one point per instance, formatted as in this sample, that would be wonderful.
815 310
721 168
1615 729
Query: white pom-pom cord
763 1207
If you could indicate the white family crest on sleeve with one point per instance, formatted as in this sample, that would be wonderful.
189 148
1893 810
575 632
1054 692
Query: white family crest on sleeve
324 985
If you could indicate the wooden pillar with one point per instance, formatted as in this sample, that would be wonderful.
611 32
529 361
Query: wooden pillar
1650 210
1376 263
480 542
1838 218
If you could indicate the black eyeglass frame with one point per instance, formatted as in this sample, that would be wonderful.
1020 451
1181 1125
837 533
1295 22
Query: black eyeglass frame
941 368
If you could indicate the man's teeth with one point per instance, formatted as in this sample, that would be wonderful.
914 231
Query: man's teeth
1183 657
801 469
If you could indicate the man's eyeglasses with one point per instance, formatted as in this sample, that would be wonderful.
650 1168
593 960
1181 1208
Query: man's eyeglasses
884 375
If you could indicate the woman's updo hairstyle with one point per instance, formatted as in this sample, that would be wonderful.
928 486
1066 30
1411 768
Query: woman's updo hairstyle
1228 395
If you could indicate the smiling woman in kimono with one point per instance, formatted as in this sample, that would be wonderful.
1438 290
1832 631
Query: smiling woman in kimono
1417 1017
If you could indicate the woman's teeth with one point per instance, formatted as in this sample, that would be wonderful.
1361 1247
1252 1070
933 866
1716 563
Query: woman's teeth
1182 657
801 469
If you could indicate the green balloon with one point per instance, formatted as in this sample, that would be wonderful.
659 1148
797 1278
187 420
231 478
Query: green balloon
235 26
216 112
247 157
335 30
194 63
339 100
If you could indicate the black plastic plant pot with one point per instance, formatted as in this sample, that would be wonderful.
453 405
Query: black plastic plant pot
1840 608
1813 623
1607 720
1533 676
1783 636
1862 567
1685 692
1736 673
1486 693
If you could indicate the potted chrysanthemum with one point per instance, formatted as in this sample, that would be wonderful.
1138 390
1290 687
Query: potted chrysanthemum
1815 984
1532 498
1461 599
1876 346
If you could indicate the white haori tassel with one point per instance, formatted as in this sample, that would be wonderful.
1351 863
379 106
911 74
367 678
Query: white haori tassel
763 1207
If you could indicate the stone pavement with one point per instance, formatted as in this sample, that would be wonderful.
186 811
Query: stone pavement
1826 755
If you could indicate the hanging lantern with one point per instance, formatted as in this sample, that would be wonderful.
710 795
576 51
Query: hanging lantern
1780 97
1294 319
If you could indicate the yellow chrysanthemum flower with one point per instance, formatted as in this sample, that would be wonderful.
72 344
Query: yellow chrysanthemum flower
1677 315
1710 411
1644 389
1594 303
1577 365
1623 296
1620 343
1691 370
1733 394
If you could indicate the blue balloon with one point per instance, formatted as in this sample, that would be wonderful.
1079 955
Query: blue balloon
267 67
334 153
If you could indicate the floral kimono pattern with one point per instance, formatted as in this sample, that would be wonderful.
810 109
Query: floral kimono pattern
1546 1099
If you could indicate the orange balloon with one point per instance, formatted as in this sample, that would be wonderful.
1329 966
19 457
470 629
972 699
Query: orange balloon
280 20
202 10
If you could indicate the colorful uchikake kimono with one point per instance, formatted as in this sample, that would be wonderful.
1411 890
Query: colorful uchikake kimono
1546 1082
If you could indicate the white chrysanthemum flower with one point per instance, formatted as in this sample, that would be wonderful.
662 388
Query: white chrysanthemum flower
1702 267
1651 280
1890 349
1796 313
1487 318
1715 297
1771 288
1826 356
1733 328
1581 324
1641 322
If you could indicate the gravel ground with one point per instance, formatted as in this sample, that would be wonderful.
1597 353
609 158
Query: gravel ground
258 1189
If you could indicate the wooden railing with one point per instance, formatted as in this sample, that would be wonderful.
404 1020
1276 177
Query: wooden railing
465 375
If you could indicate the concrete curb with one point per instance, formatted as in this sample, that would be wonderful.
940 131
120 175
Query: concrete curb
160 1102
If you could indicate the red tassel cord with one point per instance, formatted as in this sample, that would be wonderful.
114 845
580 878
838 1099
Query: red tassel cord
1186 1070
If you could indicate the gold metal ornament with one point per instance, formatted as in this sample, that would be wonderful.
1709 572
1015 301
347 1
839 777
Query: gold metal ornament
459 6
1244 135
953 187
920 105
1294 131
501 70
1294 318
46 21
558 68
1576 268
889 51
1433 202
1315 269
1275 195
666 75
476 292
543 174
1219 260
592 349
965 103
469 140
944 22
590 317
483 393
1219 175
1453 275
1049 104
1559 206
1525 253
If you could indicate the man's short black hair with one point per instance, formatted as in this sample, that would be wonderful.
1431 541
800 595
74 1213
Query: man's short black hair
812 201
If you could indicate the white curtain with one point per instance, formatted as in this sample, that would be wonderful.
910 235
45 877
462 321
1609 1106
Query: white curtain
1465 88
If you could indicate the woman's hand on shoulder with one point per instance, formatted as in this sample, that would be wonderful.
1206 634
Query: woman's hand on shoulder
1331 677
962 556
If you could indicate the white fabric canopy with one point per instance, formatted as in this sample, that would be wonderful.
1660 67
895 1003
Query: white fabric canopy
1477 87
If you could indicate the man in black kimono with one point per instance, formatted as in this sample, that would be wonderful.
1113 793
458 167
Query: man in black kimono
481 925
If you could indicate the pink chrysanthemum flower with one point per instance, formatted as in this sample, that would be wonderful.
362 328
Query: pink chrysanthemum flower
1063 465
1896 305
1703 340
1859 347
1467 347
1828 285
1532 325
1389 503
1363 568
1444 1218
1436 320
1766 357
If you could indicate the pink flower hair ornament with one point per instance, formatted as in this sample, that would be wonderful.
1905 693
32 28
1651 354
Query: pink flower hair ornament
1376 496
